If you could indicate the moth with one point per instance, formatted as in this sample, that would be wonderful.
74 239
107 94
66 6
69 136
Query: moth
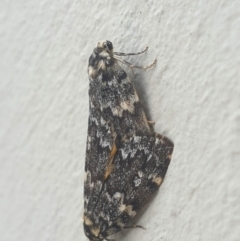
126 160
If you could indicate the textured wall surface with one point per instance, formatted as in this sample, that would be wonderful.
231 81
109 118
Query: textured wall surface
193 95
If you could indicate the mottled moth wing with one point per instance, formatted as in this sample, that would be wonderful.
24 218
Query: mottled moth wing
125 160
100 142
139 168
114 94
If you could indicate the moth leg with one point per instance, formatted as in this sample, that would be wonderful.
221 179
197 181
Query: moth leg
144 67
131 66
125 62
127 54
134 226
151 122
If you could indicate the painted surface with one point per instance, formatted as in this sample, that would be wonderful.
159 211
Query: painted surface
193 95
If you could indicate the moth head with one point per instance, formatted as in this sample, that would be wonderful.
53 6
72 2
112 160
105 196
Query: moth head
101 58
104 48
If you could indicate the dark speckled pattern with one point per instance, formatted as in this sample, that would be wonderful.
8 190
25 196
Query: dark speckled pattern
125 160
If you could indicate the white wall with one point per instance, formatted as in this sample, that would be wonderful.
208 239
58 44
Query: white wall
193 95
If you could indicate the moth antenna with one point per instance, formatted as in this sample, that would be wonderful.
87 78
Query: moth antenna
127 54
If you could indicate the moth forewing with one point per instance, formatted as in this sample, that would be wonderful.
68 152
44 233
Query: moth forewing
125 160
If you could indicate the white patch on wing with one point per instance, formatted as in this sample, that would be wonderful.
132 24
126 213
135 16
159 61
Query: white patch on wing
137 181
87 221
103 122
86 176
86 200
149 157
124 153
127 106
157 180
140 174
89 142
95 231
120 223
117 111
130 211
91 71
